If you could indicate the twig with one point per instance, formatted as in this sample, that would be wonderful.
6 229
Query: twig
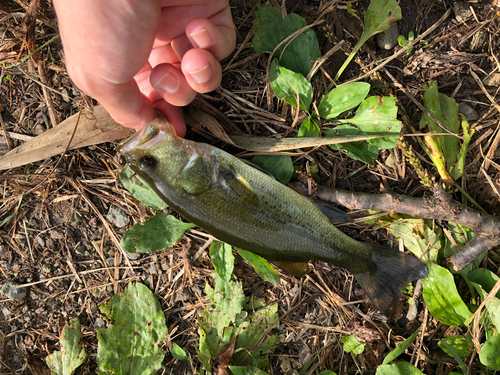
439 207
54 120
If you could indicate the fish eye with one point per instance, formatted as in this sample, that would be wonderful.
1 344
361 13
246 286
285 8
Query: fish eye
147 161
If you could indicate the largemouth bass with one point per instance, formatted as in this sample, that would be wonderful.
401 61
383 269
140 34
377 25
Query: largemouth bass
244 207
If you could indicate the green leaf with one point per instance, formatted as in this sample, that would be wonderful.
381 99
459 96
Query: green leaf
485 278
217 320
222 259
268 28
286 84
400 368
461 235
262 266
246 370
482 280
489 353
400 349
140 190
133 344
72 354
280 166
351 344
379 16
458 343
377 115
362 151
422 241
442 298
178 352
458 169
327 372
309 128
342 98
254 338
157 233
298 54
301 54
444 149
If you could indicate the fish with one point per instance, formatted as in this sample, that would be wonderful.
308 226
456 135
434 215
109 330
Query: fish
249 209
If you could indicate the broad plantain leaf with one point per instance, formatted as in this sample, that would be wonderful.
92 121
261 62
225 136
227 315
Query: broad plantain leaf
458 343
377 115
489 353
298 54
342 98
310 127
72 354
262 266
157 233
400 368
362 151
133 344
140 190
442 298
286 84
280 166
246 370
424 242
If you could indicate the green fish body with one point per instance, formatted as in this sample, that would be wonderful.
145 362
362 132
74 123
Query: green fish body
246 208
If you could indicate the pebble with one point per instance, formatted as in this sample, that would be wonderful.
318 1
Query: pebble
39 129
56 235
389 38
99 323
132 256
110 262
40 241
181 296
18 294
50 244
462 11
117 216
492 80
469 112
76 219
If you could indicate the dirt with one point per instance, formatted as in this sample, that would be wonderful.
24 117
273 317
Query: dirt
55 240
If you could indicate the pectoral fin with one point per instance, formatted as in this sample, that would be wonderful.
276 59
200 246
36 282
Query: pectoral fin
297 269
237 183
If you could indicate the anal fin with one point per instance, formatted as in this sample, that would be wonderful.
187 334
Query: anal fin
297 269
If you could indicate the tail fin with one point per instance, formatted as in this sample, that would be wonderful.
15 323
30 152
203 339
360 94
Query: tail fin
390 273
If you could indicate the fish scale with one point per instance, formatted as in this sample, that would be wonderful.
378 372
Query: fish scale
247 208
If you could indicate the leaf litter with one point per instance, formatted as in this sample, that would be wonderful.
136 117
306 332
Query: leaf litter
76 267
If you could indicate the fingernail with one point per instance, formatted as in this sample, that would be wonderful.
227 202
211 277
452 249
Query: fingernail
169 83
201 38
201 75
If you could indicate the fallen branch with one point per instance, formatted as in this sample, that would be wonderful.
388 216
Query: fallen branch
439 207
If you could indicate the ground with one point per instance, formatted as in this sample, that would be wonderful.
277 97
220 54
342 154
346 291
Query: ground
56 241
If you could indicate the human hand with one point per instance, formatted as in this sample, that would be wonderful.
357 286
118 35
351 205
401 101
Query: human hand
132 54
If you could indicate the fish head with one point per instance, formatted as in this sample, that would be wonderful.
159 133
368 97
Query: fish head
164 160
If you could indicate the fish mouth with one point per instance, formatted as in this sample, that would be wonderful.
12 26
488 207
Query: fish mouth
144 138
